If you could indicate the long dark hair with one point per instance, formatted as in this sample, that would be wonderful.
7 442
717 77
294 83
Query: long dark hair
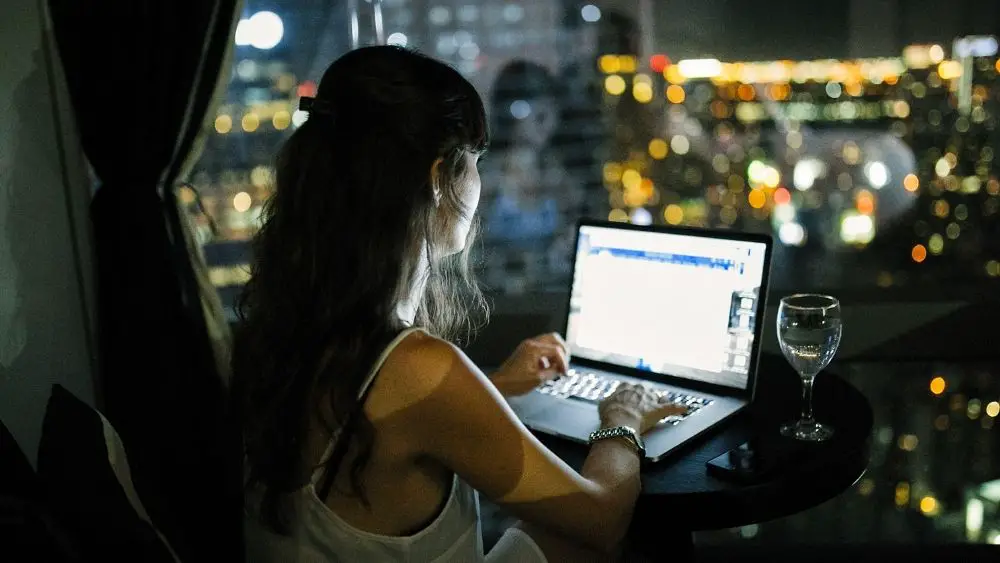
339 249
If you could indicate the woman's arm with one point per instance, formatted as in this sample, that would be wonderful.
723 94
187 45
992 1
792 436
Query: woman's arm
461 420
534 362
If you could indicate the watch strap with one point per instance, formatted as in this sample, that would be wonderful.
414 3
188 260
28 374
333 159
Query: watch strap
620 432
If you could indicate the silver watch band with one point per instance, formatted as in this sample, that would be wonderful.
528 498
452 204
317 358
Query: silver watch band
620 432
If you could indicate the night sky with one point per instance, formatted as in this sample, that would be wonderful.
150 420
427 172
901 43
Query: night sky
798 29
792 29
727 29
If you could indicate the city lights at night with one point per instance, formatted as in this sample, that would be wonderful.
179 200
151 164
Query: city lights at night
871 173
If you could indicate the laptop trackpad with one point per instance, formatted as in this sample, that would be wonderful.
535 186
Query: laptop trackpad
565 417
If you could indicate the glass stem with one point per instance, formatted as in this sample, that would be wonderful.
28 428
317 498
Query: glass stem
807 400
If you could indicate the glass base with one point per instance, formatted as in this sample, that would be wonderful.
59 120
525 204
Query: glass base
807 431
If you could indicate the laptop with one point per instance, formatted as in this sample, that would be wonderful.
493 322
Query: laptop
677 309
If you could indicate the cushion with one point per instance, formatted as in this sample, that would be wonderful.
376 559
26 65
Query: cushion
88 485
28 531
18 475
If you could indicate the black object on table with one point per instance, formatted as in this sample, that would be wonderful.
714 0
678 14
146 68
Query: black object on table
680 497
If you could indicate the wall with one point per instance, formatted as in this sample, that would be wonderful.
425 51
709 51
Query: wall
46 282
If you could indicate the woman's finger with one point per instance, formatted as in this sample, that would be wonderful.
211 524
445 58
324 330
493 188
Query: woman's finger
559 338
553 354
623 387
671 409
554 338
544 362
548 375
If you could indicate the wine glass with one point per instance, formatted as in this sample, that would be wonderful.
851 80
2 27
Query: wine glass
809 333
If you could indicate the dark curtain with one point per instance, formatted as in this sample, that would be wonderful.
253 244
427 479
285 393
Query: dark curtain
141 74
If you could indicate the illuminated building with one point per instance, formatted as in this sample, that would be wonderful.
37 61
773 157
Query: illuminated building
830 155
869 171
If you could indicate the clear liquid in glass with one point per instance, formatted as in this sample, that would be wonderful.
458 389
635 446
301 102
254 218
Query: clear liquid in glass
809 331
809 350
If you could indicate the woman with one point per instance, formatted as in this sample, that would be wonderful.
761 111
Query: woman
529 180
367 432
531 202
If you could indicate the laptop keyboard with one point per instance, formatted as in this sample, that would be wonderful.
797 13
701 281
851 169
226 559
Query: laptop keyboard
593 388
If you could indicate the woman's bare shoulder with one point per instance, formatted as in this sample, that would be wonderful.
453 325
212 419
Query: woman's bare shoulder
414 370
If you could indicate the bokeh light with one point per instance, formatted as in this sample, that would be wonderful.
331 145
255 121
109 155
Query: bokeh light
673 214
675 94
263 30
614 84
242 202
938 385
223 124
658 149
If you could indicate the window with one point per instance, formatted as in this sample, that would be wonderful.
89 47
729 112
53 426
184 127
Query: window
872 169
862 135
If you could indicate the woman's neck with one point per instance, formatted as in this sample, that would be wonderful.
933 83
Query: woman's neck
407 308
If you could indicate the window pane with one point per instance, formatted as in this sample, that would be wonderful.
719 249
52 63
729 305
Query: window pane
862 136
281 49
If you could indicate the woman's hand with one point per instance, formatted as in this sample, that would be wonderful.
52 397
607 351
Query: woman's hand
534 361
637 406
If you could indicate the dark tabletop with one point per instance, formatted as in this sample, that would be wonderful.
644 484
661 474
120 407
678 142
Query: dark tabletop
679 492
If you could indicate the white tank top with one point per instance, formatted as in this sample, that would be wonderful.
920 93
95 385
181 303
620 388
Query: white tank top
319 535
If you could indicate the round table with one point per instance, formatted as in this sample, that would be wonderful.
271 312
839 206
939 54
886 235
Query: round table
680 497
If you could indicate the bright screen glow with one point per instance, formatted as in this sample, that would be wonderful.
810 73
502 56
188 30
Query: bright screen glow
671 304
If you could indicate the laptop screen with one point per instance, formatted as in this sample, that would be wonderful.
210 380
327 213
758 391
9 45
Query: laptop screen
675 304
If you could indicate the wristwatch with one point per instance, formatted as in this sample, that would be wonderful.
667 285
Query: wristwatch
620 432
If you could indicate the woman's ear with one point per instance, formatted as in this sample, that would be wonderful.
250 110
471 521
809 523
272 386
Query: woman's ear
435 180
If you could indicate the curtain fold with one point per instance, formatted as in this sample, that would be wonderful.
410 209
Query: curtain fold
141 75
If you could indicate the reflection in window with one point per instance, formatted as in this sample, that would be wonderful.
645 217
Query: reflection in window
877 172
933 464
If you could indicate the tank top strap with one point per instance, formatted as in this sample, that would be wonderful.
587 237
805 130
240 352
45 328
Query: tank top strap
362 393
